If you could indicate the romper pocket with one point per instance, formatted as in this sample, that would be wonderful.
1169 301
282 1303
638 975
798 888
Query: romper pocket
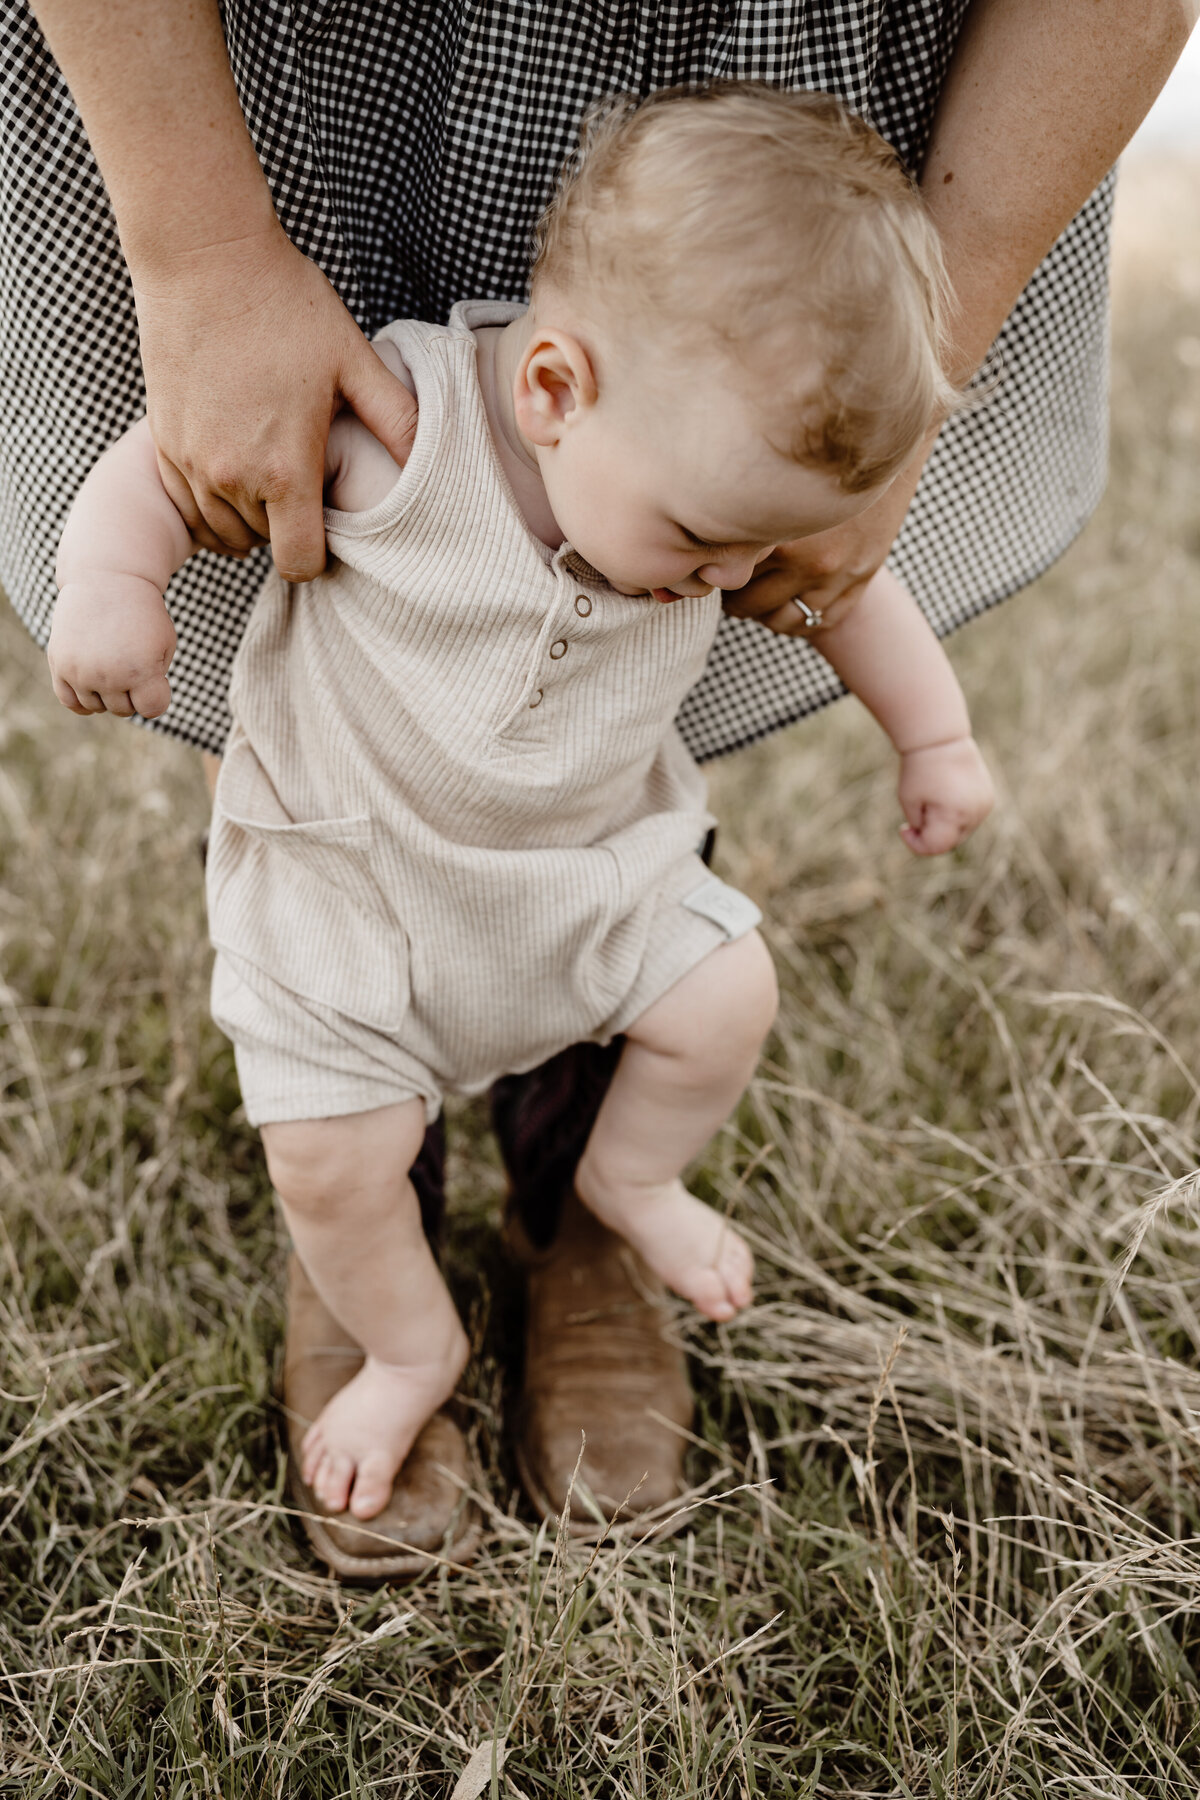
303 901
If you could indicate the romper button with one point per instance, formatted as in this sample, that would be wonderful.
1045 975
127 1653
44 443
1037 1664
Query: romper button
537 699
583 605
559 649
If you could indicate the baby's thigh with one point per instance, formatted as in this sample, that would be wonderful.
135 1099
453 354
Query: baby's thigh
727 1001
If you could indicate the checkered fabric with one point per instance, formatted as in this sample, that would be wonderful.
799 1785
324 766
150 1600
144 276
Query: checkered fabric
410 149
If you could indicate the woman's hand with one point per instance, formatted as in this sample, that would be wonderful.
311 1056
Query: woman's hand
248 351
249 354
829 571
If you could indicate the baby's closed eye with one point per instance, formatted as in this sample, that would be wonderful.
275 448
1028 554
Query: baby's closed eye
698 543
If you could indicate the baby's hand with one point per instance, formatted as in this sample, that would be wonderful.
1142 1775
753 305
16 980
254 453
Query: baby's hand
945 792
111 645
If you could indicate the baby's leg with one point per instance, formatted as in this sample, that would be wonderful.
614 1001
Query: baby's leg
356 1225
685 1062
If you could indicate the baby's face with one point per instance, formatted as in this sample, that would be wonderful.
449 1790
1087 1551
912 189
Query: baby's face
674 488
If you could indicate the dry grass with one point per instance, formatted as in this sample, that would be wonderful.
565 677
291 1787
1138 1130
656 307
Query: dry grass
946 1533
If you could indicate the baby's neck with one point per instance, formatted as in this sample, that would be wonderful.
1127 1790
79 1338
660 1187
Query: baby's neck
498 349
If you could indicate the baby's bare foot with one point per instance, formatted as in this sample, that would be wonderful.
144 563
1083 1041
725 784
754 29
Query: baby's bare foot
353 1450
688 1245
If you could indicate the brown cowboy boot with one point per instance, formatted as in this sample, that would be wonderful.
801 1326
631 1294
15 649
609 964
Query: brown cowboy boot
598 1366
599 1375
429 1517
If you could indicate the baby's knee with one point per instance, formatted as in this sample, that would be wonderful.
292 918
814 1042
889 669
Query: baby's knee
308 1161
760 986
747 997
725 1009
316 1165
298 1162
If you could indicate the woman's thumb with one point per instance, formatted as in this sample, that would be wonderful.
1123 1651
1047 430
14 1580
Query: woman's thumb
383 403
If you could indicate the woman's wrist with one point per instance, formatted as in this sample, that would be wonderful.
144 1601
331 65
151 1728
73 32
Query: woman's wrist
164 247
155 90
215 271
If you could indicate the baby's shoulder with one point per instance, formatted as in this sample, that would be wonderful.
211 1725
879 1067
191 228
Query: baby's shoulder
359 472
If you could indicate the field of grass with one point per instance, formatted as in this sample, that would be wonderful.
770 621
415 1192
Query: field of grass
945 1534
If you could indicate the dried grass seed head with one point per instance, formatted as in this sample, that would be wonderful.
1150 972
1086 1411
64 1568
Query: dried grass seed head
779 230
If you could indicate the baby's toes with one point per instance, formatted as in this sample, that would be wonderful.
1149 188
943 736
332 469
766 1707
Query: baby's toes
372 1486
735 1264
727 1284
331 1483
709 1293
312 1449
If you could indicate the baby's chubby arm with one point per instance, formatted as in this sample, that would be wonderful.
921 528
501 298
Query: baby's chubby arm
886 653
112 639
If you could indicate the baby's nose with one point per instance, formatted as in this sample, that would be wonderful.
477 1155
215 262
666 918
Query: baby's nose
733 570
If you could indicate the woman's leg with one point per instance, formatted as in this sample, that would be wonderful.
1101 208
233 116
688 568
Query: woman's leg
542 1121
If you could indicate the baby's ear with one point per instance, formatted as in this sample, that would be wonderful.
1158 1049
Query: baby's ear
555 384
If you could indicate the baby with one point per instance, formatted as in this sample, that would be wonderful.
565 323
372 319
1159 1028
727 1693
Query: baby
455 828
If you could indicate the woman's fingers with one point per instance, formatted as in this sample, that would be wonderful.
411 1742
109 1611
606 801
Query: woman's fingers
226 525
213 521
118 702
769 597
297 529
243 350
66 696
829 570
179 488
149 700
150 697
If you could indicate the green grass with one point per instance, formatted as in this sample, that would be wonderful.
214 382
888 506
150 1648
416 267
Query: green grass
945 1535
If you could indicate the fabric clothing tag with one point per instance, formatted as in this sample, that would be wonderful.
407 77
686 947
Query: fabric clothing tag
714 899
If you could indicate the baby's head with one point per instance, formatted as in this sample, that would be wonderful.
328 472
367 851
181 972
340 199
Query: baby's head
735 332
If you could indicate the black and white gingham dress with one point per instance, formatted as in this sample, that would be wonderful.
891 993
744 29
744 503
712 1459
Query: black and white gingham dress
410 148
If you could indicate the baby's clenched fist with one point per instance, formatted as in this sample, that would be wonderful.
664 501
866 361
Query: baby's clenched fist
945 791
111 645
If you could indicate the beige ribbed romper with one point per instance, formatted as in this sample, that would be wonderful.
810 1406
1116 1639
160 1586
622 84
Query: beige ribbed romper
455 828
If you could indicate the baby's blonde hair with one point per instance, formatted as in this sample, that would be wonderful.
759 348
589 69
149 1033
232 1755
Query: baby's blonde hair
787 232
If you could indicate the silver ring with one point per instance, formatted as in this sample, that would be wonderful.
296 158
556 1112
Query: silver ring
813 617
